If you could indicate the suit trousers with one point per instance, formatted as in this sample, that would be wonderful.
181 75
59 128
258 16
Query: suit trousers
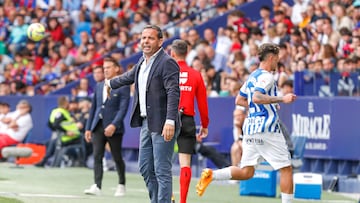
155 164
99 140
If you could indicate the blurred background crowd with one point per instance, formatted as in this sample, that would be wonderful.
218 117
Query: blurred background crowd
316 37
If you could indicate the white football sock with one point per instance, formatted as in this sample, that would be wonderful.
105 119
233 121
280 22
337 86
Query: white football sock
222 174
286 198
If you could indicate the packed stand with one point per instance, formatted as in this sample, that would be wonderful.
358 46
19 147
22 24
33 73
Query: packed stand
318 38
78 34
315 37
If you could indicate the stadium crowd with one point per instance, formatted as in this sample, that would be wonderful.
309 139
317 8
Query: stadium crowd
317 37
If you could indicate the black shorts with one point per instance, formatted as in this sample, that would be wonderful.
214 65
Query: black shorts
187 138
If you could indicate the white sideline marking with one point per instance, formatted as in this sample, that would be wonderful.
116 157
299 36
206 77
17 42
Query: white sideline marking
48 195
39 195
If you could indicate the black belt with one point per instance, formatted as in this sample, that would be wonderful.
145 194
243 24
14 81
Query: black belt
184 115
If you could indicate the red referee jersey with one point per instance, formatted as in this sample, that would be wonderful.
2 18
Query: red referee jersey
192 86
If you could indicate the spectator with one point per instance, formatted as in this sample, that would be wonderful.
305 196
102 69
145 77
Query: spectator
341 20
4 60
55 29
47 73
139 23
31 76
252 57
297 9
280 17
57 11
16 125
167 25
18 35
217 60
64 127
281 31
72 50
112 9
4 110
210 37
65 57
344 48
280 5
284 55
223 41
315 48
98 74
265 22
123 42
90 55
4 89
193 39
346 85
83 90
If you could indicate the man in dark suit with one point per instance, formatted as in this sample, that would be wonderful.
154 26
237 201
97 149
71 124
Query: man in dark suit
106 124
155 110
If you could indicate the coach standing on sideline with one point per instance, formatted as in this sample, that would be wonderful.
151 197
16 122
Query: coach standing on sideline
155 110
106 124
191 86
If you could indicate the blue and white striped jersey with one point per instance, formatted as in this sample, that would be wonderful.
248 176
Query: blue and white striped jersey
261 117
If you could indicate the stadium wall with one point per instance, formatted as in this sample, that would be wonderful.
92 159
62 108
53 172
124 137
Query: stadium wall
330 124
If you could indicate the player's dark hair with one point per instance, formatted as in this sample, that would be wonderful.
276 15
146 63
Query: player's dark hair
266 49
157 28
112 60
180 47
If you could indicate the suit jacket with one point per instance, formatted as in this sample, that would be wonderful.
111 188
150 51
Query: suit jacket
162 92
113 110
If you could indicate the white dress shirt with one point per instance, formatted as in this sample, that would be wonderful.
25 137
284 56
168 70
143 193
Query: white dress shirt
25 124
104 95
142 81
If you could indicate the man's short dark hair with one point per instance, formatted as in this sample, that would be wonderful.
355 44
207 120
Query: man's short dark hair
289 83
157 28
113 60
266 49
267 8
180 47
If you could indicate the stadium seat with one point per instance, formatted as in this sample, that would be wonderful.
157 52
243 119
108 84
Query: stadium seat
16 152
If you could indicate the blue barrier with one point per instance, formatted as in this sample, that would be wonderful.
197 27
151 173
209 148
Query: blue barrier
331 133
316 86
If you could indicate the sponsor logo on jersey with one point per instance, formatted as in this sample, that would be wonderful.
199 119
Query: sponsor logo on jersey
183 77
182 81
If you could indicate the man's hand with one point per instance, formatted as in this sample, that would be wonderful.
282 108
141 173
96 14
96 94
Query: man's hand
13 125
203 133
109 130
88 136
168 132
288 98
6 120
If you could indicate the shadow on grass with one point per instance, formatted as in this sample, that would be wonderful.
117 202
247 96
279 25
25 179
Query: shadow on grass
9 200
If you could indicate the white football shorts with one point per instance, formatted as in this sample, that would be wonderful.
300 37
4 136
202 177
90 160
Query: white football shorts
269 146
